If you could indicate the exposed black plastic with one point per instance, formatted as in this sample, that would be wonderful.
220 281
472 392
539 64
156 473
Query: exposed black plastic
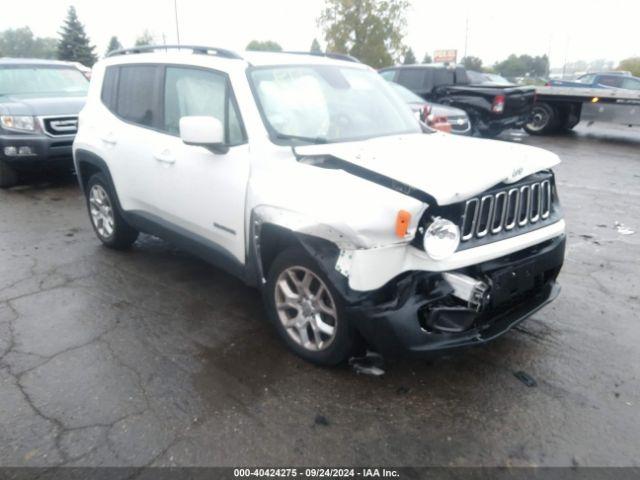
423 316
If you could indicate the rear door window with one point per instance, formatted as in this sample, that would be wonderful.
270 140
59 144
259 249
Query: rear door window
138 94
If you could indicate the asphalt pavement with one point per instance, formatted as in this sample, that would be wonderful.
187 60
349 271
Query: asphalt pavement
152 357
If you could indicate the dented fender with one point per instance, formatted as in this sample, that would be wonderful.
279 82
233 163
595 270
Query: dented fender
329 244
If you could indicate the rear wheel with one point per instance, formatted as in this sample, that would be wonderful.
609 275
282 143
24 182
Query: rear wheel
8 176
112 230
306 310
544 119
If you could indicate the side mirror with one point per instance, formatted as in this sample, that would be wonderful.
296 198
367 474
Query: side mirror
206 132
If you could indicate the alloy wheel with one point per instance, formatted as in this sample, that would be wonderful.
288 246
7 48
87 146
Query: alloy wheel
306 308
101 211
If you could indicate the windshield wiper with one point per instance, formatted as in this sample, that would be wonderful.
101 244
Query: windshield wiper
313 140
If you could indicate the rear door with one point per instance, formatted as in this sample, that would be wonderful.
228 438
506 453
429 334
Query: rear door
129 134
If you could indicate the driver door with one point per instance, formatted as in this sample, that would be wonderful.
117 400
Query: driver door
200 192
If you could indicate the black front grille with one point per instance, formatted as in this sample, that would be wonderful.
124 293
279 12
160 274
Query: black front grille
506 209
61 125
501 212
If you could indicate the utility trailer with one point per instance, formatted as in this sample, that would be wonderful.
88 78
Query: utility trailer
561 108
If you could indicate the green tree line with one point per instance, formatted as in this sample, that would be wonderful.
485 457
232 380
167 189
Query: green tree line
371 30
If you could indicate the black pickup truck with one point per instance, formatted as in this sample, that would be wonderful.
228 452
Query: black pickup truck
491 108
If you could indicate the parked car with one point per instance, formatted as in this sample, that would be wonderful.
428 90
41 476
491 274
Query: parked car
39 105
600 80
308 178
491 109
441 117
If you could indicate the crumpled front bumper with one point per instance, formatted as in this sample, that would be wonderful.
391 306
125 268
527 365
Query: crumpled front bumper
408 318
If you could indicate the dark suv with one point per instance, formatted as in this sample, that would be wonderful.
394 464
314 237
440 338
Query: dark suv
39 105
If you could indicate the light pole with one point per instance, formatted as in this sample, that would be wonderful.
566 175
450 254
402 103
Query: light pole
466 36
175 9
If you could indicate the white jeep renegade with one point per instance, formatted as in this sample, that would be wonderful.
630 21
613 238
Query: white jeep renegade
306 176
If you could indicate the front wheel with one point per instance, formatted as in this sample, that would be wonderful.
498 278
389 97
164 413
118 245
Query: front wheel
112 230
306 310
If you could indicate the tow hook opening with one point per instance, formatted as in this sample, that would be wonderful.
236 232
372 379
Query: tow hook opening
458 312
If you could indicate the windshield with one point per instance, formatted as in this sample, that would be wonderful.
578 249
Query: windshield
20 80
324 103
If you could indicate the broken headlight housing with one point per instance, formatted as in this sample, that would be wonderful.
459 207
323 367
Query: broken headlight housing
441 239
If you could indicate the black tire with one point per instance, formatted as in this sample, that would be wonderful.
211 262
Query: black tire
344 342
122 235
8 176
544 119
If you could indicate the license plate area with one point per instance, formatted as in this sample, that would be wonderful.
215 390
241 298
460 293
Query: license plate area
509 284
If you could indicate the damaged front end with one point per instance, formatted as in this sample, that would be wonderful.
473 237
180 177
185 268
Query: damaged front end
421 312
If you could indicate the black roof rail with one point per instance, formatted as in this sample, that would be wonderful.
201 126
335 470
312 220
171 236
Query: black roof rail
335 56
197 49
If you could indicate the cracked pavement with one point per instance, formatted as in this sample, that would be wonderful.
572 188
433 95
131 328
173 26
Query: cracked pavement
152 357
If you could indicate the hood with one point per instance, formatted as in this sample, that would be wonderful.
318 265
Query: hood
445 167
40 106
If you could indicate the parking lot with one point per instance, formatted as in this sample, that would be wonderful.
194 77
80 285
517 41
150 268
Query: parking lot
152 357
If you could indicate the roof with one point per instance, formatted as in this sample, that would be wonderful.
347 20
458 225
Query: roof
167 53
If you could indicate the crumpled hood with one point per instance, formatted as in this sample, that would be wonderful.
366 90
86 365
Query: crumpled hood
447 167
40 106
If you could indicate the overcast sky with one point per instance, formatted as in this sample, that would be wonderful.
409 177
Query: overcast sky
569 29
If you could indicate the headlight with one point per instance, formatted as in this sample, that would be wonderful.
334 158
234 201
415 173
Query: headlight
441 239
18 123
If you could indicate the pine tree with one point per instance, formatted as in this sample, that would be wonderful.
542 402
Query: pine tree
409 57
145 39
74 45
427 58
315 46
114 44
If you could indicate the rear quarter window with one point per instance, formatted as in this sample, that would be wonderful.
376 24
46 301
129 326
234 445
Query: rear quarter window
109 86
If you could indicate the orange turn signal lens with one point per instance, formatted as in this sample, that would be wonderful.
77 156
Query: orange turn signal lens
402 223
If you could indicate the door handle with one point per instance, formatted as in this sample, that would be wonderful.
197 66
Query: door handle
109 138
165 157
